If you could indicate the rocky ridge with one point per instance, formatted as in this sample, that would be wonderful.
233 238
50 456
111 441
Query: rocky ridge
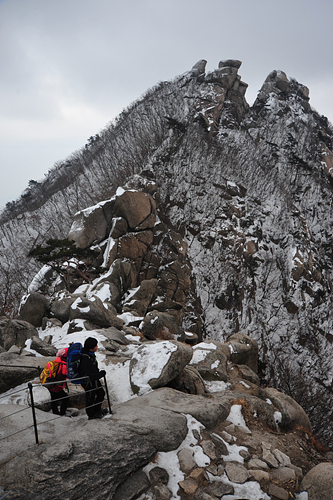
244 439
234 235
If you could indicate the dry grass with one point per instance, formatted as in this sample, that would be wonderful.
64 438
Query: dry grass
320 447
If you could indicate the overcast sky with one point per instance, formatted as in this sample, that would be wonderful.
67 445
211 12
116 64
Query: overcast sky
67 67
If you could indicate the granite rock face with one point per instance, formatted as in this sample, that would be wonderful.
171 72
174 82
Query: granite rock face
166 443
144 370
15 332
235 223
318 483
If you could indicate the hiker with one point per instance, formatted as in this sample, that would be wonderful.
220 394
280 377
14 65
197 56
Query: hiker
94 390
58 395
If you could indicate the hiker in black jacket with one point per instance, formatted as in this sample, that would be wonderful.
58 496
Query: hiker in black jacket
94 390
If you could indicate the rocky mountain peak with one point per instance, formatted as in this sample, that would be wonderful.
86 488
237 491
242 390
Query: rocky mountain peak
216 87
223 226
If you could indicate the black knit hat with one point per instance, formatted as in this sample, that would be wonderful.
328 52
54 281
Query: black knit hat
90 343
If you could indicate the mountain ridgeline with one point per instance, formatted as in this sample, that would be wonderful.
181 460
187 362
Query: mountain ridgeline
249 189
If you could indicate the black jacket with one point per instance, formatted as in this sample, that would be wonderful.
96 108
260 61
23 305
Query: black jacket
89 366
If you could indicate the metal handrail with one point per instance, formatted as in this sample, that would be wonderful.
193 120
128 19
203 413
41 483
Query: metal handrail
63 381
31 386
22 366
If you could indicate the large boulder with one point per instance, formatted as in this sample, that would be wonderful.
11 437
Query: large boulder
60 307
159 325
93 310
137 208
42 347
242 372
34 308
119 279
243 350
292 413
114 335
65 458
152 421
134 247
139 301
199 68
188 381
230 63
208 411
318 482
154 364
132 487
210 360
91 225
16 369
15 332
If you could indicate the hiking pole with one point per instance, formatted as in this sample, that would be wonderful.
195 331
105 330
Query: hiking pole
107 394
33 411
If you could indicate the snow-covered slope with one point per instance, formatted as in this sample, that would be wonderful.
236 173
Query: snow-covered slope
250 190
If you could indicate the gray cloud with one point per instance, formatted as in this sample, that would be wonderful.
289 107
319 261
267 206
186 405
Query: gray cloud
69 67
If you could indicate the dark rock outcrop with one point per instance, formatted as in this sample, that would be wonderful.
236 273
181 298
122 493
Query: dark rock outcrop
210 360
34 308
16 369
15 332
42 347
161 325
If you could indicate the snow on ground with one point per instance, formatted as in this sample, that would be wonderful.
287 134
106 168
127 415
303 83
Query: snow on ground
150 361
169 460
118 379
278 417
250 489
217 385
235 416
234 451
117 374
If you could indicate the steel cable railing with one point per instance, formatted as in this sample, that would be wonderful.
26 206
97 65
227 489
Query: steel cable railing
15 413
12 393
33 406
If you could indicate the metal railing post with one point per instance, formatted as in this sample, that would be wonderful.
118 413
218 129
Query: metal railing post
33 411
107 394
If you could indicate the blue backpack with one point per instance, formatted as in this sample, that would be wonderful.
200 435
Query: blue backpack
73 362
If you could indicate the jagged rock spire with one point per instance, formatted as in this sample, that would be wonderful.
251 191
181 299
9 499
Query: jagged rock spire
199 68
277 82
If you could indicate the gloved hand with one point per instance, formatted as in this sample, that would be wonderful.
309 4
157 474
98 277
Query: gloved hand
102 373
